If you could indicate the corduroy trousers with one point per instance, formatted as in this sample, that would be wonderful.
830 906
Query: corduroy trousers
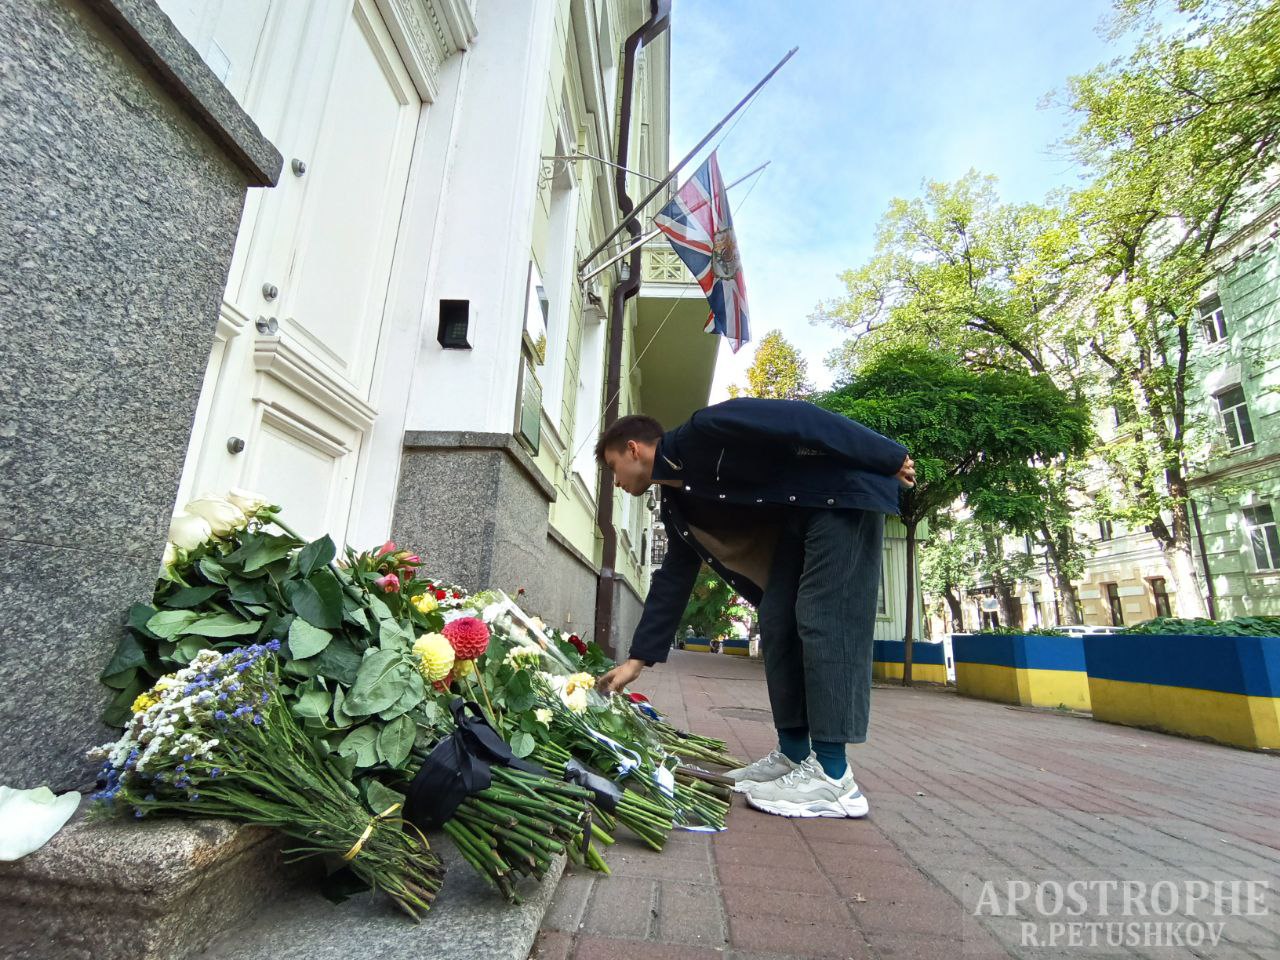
817 620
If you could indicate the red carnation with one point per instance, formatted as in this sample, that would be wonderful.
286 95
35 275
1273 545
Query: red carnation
575 641
440 594
457 595
469 637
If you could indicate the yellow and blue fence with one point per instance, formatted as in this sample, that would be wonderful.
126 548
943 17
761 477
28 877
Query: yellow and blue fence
1027 669
736 646
928 664
1222 688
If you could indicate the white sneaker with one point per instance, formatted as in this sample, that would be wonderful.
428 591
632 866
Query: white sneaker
775 765
808 792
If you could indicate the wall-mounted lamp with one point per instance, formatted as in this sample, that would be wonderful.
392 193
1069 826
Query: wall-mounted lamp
455 318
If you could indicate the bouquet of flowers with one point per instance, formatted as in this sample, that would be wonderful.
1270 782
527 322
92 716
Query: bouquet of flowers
370 659
218 739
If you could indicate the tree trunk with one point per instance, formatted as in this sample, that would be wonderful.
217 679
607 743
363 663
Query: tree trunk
911 604
1068 599
1181 559
1010 609
957 613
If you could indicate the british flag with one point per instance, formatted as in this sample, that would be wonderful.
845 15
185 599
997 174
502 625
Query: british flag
700 228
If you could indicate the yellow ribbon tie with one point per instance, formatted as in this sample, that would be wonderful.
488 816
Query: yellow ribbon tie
368 832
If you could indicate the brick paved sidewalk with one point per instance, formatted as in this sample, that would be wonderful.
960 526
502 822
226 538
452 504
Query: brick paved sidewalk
962 792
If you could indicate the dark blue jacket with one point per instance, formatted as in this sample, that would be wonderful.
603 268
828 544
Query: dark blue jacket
750 452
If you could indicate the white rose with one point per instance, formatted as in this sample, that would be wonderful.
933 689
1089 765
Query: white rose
188 531
223 515
543 716
248 501
170 556
575 698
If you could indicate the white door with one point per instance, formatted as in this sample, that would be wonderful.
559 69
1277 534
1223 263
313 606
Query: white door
286 406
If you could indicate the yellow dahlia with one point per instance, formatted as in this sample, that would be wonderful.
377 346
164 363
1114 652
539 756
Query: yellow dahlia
425 602
463 668
435 656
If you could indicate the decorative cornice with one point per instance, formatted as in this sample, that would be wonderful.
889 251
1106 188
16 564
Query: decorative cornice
427 33
475 440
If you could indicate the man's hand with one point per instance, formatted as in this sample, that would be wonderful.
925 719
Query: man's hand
620 676
907 472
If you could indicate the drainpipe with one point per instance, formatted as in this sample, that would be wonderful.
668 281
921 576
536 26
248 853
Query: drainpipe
606 582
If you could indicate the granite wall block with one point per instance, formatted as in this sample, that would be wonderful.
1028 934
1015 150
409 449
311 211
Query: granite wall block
119 207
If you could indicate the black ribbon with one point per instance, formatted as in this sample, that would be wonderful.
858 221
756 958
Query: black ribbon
606 792
458 767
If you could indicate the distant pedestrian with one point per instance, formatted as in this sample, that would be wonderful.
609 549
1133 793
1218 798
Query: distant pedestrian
786 502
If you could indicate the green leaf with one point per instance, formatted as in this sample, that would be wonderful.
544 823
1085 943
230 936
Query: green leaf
248 591
221 625
313 703
187 597
306 640
394 636
379 797
383 677
340 718
129 654
187 649
259 549
415 689
522 744
137 618
520 695
379 608
213 570
396 740
318 600
339 661
357 617
170 623
315 555
362 744
301 668
118 712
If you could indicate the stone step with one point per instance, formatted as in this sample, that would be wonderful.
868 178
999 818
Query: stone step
469 921
138 890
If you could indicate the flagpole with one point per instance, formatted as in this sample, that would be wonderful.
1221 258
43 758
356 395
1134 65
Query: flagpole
658 188
653 233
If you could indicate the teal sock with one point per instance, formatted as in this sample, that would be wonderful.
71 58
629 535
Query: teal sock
794 743
831 755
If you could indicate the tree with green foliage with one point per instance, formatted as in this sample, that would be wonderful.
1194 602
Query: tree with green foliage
777 371
1181 138
959 271
949 564
963 428
713 608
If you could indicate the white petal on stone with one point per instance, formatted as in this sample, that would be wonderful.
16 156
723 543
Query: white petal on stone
30 818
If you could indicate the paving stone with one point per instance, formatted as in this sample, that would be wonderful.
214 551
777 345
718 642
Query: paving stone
759 902
797 938
622 907
570 902
599 948
552 945
768 878
690 913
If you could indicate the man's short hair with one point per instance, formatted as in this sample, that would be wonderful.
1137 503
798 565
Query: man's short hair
636 427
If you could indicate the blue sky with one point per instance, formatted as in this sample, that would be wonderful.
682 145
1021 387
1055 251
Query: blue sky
880 97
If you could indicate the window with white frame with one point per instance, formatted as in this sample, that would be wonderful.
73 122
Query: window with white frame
586 417
1235 417
1213 321
558 282
1263 535
882 606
